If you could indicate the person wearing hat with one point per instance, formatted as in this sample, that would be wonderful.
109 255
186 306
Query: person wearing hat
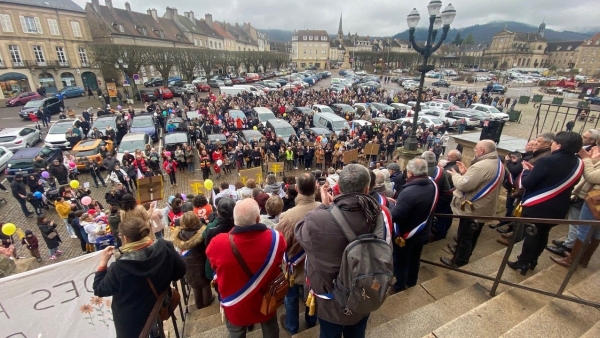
31 241
396 177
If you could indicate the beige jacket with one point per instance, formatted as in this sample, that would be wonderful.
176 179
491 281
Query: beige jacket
287 221
590 181
483 170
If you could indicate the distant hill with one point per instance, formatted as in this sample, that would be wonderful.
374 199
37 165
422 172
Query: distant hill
279 35
484 33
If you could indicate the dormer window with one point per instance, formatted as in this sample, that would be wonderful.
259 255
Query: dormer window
310 38
159 32
570 47
142 29
119 27
179 37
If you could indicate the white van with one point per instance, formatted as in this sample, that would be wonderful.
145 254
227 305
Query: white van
331 122
251 89
320 109
232 91
264 114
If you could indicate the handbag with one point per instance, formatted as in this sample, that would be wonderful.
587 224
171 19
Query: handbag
275 291
51 235
170 302
592 199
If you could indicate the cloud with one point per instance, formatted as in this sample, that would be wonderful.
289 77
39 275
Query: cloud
376 18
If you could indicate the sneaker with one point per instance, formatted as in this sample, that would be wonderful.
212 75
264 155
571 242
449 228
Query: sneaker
39 259
53 258
58 252
73 236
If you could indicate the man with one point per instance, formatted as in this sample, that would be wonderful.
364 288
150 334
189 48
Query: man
59 171
412 212
226 192
41 116
380 185
96 134
441 178
396 177
452 157
109 162
293 264
92 166
39 164
261 250
542 146
590 138
476 194
19 192
324 244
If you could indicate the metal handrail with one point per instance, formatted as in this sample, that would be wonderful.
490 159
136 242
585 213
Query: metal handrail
154 321
527 226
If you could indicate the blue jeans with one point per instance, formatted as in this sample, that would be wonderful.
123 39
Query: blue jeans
574 213
52 252
292 320
583 230
331 330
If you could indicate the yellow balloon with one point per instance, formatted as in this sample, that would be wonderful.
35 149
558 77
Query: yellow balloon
255 128
208 184
8 229
74 184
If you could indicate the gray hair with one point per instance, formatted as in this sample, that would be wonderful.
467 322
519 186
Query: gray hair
456 153
548 137
594 135
271 179
354 178
417 166
331 171
246 212
428 156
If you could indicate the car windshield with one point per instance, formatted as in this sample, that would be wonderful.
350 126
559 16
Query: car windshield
339 125
20 163
142 122
88 152
493 110
131 146
176 138
436 121
60 128
34 104
103 123
346 107
266 116
326 110
284 132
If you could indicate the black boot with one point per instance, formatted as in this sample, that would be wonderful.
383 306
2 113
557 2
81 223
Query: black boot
521 267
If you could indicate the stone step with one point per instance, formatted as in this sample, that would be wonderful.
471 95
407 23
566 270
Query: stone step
498 315
25 264
561 318
593 332
425 319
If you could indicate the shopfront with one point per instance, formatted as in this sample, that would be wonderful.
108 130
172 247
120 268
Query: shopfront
13 83
67 79
47 81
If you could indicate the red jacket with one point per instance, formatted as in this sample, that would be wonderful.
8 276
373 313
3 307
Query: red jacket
253 243
173 164
217 156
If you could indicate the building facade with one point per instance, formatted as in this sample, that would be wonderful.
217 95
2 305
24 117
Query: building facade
563 55
310 48
519 50
199 32
42 43
588 61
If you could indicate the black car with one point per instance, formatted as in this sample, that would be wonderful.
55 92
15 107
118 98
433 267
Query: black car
177 91
175 83
470 114
22 161
441 83
53 103
146 96
249 135
154 82
172 140
282 82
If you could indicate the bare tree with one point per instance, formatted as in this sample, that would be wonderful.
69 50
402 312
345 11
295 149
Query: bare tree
186 60
163 60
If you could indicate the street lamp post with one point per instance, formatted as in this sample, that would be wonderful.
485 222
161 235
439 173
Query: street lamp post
435 22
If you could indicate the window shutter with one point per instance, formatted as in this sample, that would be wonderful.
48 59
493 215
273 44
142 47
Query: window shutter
38 24
23 24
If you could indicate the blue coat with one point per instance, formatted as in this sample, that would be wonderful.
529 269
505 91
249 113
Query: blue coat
413 206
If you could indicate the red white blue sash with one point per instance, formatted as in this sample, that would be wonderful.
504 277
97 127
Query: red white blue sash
491 186
258 277
388 225
381 200
291 263
551 192
421 226
438 174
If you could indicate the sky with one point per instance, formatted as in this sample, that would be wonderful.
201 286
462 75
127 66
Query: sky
376 17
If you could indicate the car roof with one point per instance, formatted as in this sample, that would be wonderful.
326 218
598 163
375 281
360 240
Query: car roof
133 136
27 153
11 131
217 137
279 123
87 144
176 136
106 117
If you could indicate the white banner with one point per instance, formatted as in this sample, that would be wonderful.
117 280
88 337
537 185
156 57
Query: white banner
55 301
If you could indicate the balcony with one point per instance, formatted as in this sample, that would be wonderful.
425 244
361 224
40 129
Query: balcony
85 65
43 65
63 64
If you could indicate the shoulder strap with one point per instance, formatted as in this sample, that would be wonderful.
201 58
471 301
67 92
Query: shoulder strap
341 221
152 287
239 258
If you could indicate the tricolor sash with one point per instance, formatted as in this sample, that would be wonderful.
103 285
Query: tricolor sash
258 277
388 225
488 188
421 226
546 194
438 174
291 263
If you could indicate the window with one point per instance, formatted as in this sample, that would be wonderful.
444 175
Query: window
294 38
6 23
220 45
211 44
76 29
31 25
15 55
304 38
582 60
160 33
195 42
200 43
83 57
144 31
121 28
2 62
323 38
61 57
310 38
53 25
39 55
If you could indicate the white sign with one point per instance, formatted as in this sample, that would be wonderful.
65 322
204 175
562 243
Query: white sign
55 301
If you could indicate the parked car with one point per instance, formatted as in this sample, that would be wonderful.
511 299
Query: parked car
17 138
441 83
431 122
189 89
144 123
172 140
177 91
593 100
53 103
131 142
493 111
22 99
102 122
154 82
226 81
166 93
56 137
91 149
238 80
199 79
175 83
5 155
71 91
249 135
203 87
146 96
473 117
22 161
496 88
216 83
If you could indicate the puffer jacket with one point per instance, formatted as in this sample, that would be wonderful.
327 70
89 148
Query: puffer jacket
191 246
482 171
590 181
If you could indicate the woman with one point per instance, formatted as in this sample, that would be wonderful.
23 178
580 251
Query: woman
205 165
114 219
180 158
143 265
189 157
187 237
130 209
92 229
590 181
201 208
175 213
118 175
51 237
548 188
271 186
220 225
170 167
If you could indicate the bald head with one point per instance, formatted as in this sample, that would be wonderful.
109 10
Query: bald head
454 155
484 147
246 212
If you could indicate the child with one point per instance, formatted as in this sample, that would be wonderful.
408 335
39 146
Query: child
32 244
35 202
217 170
63 208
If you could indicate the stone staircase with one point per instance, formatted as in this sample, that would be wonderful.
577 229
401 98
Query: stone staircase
451 304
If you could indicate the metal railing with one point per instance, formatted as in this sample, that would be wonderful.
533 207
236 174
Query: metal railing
554 117
525 226
154 327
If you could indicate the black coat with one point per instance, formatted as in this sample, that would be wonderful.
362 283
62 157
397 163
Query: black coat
413 206
195 258
548 172
126 281
46 229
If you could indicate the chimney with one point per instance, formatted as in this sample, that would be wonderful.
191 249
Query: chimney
154 13
208 19
247 26
108 4
96 5
189 15
174 14
128 6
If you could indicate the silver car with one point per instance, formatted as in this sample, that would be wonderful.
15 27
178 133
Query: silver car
18 138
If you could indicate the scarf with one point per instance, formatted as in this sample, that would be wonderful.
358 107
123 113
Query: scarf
138 245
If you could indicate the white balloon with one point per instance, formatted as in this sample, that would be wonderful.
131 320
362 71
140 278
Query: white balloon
219 162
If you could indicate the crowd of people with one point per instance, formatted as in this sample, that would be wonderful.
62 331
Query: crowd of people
290 238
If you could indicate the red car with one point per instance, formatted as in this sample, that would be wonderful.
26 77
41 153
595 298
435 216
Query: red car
203 87
249 79
23 98
166 93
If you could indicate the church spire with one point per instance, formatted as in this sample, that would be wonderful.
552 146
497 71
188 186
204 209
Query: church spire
340 31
